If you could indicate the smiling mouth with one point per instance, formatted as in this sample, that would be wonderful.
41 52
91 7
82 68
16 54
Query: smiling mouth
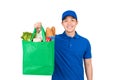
69 27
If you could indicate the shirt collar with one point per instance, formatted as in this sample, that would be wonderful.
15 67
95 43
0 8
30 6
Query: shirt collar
75 36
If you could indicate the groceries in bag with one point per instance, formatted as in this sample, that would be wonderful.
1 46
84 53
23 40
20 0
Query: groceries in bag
39 34
50 33
26 36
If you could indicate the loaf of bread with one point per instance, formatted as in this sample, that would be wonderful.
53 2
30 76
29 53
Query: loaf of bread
50 31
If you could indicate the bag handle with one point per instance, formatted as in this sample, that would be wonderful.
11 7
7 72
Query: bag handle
43 34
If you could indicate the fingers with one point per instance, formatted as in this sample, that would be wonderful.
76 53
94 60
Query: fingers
37 25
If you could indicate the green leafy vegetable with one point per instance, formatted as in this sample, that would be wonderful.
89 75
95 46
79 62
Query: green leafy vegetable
26 36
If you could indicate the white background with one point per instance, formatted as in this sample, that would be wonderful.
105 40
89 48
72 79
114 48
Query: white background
99 21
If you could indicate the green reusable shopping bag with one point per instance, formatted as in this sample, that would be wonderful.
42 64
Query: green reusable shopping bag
38 57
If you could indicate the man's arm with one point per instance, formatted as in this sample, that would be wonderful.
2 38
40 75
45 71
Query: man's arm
88 69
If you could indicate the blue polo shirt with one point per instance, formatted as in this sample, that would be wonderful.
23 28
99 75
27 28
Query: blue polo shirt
69 55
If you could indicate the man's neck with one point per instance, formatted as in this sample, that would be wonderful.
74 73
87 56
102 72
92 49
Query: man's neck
70 34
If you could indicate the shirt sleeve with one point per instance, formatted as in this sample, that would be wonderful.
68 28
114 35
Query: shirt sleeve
87 53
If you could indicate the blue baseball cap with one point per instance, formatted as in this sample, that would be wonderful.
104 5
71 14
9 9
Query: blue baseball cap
69 13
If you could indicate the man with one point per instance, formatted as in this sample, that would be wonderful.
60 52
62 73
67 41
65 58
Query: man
71 50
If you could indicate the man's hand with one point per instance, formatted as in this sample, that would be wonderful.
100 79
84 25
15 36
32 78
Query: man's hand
38 26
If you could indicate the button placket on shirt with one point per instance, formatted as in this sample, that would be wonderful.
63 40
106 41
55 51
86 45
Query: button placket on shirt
70 43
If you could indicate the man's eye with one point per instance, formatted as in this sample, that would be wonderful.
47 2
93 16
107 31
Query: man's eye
73 20
65 20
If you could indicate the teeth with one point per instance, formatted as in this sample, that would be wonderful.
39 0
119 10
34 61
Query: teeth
69 26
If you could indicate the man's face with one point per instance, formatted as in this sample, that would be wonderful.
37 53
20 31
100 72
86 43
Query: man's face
69 24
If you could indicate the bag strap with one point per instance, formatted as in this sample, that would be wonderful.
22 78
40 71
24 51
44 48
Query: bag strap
43 34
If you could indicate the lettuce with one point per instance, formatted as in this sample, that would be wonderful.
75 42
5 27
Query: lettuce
26 36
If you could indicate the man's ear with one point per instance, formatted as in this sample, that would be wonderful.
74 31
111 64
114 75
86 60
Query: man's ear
77 23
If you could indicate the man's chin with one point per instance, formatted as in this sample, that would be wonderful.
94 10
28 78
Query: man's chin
70 31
